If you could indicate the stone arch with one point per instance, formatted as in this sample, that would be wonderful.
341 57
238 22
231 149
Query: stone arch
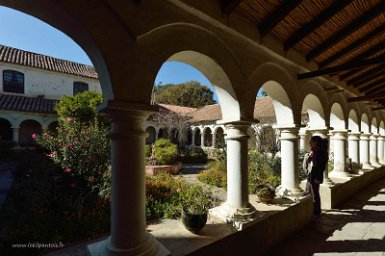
52 127
174 135
338 115
287 111
27 129
207 137
199 48
365 123
381 128
353 124
315 111
78 28
151 138
219 136
374 126
5 129
163 133
197 133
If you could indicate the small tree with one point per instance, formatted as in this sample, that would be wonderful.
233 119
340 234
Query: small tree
266 140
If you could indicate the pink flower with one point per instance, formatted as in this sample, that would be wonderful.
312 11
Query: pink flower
68 170
69 119
72 185
53 154
70 146
34 136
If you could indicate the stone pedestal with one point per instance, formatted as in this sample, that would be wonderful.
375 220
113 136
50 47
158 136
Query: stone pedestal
289 163
128 222
353 149
339 145
364 152
373 151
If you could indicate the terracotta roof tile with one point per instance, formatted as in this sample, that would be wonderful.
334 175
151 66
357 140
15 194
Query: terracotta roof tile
27 104
177 109
21 57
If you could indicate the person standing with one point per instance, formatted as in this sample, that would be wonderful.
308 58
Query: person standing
318 158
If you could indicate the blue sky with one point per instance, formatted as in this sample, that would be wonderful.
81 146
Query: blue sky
28 33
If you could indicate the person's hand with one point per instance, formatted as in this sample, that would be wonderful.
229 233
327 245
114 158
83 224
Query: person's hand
317 181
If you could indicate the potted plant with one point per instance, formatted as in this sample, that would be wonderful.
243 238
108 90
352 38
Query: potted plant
196 203
265 193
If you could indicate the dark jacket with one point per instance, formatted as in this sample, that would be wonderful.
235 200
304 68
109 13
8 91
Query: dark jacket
319 160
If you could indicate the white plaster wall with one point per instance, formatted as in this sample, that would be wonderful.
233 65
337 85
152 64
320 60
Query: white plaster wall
52 85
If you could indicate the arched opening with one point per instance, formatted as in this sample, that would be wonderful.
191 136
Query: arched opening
374 126
353 121
174 136
197 134
364 123
27 129
207 138
150 139
5 129
163 133
315 112
337 120
219 137
52 127
189 136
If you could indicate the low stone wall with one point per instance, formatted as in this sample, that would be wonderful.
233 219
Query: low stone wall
259 236
344 188
170 169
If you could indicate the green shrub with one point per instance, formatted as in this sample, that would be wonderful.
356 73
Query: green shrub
193 157
147 150
213 177
165 152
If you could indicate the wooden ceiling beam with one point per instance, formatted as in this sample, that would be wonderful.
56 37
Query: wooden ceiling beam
372 87
353 46
364 98
367 76
379 93
343 67
346 31
228 6
306 29
349 73
378 108
279 14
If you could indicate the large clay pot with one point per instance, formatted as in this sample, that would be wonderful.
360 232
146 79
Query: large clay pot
194 222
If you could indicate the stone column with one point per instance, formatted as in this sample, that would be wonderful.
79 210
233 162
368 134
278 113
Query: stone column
380 146
15 134
213 136
364 151
324 134
128 221
193 138
289 163
156 134
339 145
237 206
353 146
302 139
373 150
202 139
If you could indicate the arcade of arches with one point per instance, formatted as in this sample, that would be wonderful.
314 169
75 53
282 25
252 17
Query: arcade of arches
128 52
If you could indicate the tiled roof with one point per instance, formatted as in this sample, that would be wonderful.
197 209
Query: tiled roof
263 111
21 57
27 104
177 109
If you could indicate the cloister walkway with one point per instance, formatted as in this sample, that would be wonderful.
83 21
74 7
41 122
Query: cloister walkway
357 227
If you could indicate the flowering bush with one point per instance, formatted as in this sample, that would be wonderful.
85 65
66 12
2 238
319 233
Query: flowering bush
81 150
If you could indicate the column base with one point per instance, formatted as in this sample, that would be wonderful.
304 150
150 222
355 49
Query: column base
238 217
149 247
328 182
375 164
292 193
339 174
367 167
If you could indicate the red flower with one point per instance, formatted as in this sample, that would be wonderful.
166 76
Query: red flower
34 136
70 146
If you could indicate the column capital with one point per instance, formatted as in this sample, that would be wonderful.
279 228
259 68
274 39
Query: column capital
374 136
288 133
353 136
365 136
237 130
381 137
